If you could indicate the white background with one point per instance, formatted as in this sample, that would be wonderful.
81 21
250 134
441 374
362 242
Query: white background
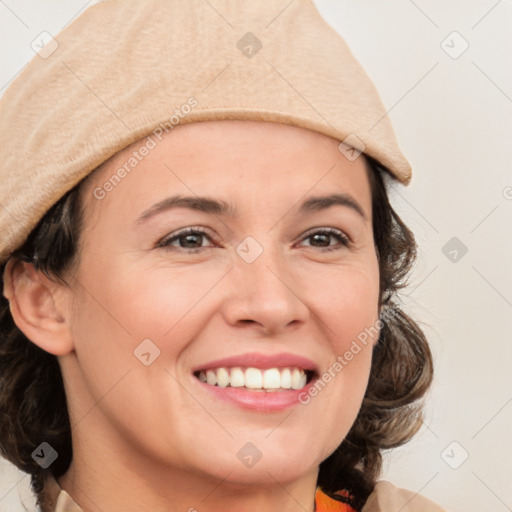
453 118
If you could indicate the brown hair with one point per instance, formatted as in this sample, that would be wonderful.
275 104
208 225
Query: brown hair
33 405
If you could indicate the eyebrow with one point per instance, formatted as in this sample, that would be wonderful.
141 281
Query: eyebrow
201 204
323 202
220 207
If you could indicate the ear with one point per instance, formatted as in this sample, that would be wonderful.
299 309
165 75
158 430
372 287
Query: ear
39 306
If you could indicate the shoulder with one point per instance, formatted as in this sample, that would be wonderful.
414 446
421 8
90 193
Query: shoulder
388 498
57 499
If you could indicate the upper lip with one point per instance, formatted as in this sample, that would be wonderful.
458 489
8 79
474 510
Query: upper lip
263 361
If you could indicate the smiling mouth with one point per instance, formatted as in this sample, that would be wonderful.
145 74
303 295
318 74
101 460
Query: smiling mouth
256 379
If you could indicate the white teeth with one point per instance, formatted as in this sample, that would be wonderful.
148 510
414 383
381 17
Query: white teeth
237 378
222 377
296 378
286 378
272 379
254 378
211 377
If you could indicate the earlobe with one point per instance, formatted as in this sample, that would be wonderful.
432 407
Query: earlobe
39 307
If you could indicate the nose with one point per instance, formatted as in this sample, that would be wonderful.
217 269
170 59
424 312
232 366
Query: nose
266 295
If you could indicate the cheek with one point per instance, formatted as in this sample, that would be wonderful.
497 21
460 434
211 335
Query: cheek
346 299
346 304
355 327
114 314
141 300
166 303
126 304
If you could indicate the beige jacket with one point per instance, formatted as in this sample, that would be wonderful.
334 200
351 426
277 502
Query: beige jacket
385 498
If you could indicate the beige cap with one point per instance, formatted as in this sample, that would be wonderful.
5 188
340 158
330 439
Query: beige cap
126 69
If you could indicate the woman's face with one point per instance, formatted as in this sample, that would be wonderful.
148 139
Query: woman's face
238 252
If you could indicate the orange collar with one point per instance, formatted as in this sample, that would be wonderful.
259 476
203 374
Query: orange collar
326 504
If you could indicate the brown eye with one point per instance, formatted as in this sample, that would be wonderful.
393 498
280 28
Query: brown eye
329 239
192 238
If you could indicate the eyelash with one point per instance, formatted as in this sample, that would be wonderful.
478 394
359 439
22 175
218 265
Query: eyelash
343 239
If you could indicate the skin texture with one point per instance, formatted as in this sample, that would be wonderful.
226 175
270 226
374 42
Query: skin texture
151 437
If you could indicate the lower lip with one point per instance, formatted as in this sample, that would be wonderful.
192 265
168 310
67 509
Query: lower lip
258 400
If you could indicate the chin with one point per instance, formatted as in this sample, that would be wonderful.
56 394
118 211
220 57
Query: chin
261 462
264 474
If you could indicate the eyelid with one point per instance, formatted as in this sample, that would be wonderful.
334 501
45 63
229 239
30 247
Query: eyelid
165 241
347 241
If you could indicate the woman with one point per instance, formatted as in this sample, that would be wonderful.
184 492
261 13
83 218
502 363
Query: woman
201 263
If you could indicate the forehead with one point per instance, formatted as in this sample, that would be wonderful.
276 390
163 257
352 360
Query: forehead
238 159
